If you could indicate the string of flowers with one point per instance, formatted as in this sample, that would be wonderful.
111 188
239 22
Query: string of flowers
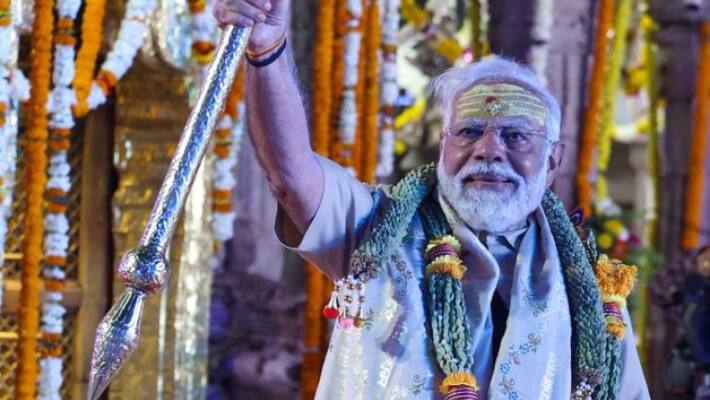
323 83
56 224
133 31
540 36
389 89
694 192
613 77
91 37
591 115
337 73
347 127
14 87
360 91
35 177
228 137
371 98
202 28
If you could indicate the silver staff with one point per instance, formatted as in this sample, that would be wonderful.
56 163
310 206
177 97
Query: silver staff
144 270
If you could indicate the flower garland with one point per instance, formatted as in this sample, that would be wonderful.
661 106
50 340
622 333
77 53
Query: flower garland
56 224
694 192
540 36
389 89
133 31
322 69
613 77
13 88
91 37
596 346
347 126
371 98
228 137
357 152
591 115
202 28
35 178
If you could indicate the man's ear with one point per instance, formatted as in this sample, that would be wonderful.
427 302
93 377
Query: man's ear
554 162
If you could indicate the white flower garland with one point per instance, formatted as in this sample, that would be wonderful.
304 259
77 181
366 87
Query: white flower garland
389 88
56 224
541 31
348 108
203 27
131 35
223 177
14 87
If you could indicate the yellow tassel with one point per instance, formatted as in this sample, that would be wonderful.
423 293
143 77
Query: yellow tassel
614 277
442 267
448 239
458 379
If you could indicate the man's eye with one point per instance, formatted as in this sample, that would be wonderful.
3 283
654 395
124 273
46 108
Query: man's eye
470 133
513 136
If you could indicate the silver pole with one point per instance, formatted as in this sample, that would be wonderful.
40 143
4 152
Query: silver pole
144 270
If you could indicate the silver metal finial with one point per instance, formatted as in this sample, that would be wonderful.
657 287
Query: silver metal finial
145 270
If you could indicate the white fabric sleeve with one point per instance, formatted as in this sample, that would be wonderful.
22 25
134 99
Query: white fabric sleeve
339 223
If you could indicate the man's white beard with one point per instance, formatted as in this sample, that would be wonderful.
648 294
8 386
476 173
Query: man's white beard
489 210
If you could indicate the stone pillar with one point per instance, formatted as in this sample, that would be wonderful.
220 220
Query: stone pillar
509 28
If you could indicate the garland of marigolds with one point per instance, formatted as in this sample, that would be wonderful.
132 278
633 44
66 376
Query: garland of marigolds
13 88
369 113
35 177
133 31
324 60
56 223
202 28
596 287
91 36
591 115
694 192
613 78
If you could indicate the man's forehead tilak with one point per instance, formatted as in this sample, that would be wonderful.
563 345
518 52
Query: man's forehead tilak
493 100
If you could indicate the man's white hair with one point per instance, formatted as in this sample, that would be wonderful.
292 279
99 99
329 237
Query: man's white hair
493 69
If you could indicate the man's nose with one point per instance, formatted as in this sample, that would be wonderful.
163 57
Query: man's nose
489 148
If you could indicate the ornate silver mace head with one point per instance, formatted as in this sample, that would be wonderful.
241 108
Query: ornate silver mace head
144 270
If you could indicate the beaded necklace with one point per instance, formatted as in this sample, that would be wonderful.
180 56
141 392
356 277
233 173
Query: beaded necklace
596 359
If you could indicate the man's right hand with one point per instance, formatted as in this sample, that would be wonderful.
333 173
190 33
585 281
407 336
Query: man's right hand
268 17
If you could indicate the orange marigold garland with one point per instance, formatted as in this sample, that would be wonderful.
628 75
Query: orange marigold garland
591 115
325 54
360 92
91 36
695 190
369 113
35 178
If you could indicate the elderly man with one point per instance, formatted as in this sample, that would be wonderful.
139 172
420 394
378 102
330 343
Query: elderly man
466 280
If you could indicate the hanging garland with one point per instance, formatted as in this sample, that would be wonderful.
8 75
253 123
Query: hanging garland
228 137
369 114
35 177
202 28
389 89
326 56
14 87
132 33
91 36
56 224
591 115
347 127
613 78
694 192
360 90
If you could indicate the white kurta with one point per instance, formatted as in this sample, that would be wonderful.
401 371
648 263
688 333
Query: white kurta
391 357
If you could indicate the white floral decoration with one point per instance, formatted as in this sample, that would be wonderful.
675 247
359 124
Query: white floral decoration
389 89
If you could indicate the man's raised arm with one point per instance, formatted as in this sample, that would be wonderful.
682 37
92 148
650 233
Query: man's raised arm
277 119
